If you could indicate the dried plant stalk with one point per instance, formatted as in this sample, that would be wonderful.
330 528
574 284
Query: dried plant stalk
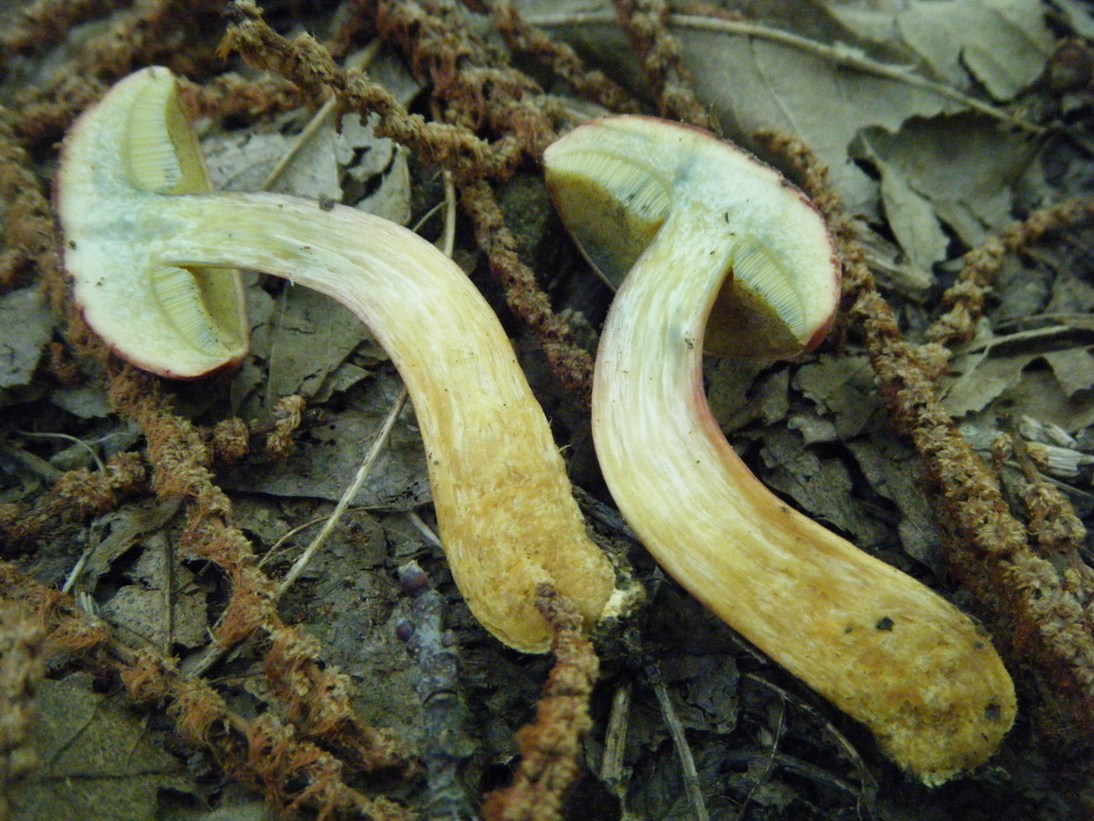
428 46
22 667
78 496
260 752
525 39
647 24
964 300
309 64
319 697
550 747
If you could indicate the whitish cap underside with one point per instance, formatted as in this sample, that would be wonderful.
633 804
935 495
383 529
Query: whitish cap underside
616 180
133 145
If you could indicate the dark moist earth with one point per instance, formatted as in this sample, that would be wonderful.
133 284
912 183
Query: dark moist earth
816 431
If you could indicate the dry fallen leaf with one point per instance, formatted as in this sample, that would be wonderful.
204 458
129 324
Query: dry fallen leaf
959 40
997 368
330 451
25 327
98 759
163 607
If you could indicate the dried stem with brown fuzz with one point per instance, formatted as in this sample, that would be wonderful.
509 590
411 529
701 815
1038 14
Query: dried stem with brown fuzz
44 22
319 697
432 48
150 31
525 39
571 364
647 24
22 666
964 300
78 496
309 64
29 236
550 747
260 752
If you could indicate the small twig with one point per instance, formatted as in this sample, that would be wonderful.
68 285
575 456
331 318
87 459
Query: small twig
839 56
448 745
169 590
731 759
615 740
692 786
350 493
78 568
449 236
868 784
66 437
318 120
34 465
769 765
424 529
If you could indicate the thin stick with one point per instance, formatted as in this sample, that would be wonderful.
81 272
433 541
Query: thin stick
849 749
839 56
680 741
762 777
424 529
448 747
615 741
448 243
319 119
362 473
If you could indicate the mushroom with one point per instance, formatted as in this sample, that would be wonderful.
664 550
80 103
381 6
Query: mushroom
504 506
692 215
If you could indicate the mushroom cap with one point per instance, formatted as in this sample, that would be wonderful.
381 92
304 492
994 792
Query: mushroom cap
615 180
181 322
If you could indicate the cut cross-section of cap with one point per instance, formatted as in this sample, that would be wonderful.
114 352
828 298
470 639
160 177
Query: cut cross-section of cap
618 180
180 321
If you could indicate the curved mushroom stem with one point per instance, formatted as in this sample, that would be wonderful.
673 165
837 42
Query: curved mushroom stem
878 644
504 506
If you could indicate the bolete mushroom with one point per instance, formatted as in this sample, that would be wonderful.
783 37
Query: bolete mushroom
692 215
504 506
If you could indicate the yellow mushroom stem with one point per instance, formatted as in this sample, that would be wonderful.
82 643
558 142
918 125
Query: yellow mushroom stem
507 517
878 644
